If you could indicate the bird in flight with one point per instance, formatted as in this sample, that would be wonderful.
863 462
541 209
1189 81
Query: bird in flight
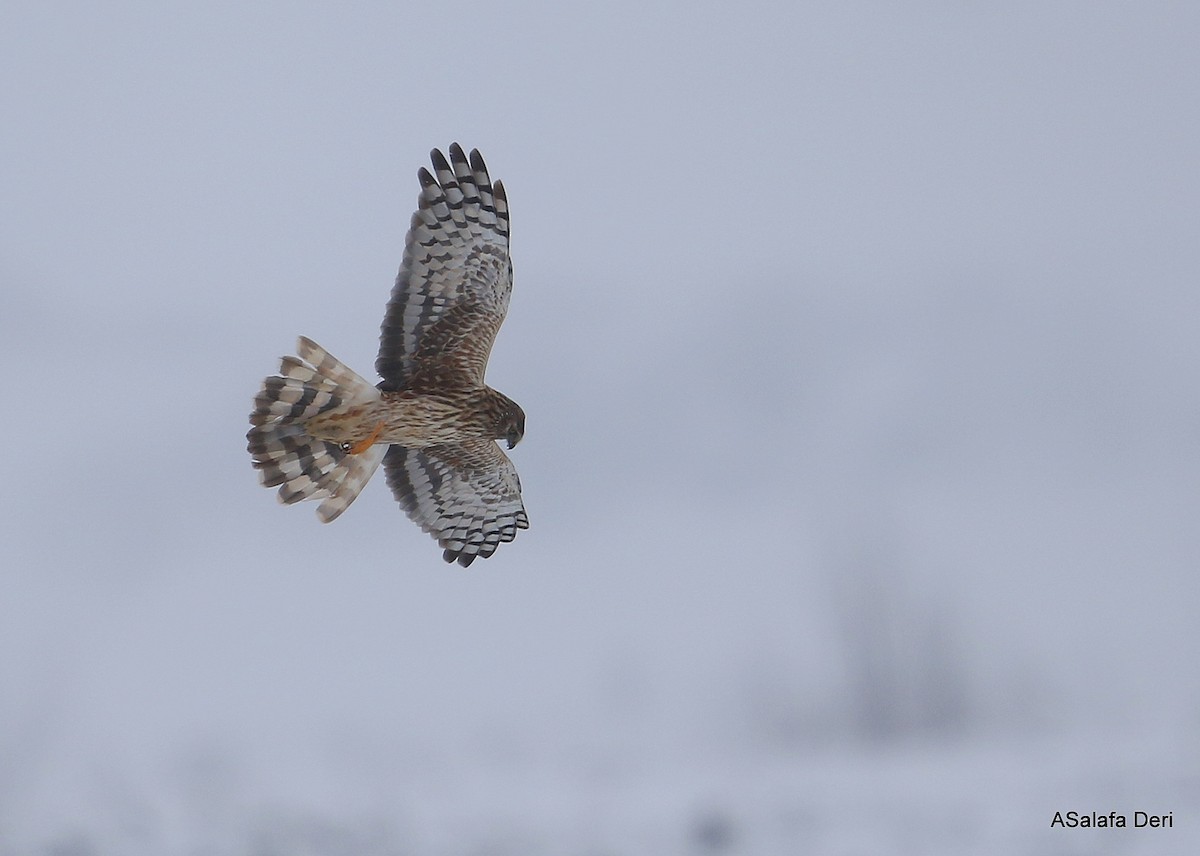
319 430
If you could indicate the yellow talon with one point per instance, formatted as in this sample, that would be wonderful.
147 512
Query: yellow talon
362 445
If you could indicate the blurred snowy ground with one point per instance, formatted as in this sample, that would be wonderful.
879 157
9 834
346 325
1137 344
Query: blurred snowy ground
978 798
858 343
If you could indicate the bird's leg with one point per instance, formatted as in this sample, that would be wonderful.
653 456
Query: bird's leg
362 445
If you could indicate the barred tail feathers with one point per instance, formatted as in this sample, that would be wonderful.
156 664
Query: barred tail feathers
301 466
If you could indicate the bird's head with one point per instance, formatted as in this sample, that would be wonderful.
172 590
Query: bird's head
510 424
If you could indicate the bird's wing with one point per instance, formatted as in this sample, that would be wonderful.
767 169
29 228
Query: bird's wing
466 495
452 291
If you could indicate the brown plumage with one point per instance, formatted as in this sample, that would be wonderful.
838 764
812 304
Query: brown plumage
319 430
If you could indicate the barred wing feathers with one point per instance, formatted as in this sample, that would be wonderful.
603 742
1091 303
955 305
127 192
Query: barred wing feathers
452 291
466 495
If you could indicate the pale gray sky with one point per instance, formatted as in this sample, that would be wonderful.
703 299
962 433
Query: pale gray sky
858 343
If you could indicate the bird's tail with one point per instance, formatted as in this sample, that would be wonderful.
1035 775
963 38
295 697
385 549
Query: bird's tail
301 466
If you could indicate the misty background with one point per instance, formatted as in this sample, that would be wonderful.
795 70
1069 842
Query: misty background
858 343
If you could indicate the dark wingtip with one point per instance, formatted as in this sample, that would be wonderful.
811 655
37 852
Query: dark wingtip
439 161
477 163
464 559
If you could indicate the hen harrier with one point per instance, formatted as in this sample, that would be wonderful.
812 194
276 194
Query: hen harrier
320 430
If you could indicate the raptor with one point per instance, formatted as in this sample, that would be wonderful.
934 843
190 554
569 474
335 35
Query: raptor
319 430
